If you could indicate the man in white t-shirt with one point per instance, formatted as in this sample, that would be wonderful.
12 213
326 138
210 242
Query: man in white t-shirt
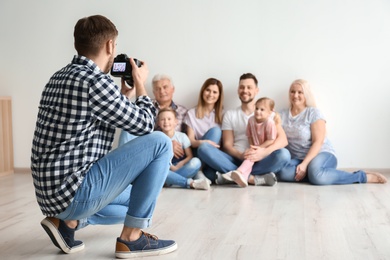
236 146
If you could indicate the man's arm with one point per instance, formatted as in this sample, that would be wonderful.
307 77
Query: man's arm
257 153
228 144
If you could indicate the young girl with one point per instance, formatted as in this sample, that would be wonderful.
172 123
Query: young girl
183 169
261 131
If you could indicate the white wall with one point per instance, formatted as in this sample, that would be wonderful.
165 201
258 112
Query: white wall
341 47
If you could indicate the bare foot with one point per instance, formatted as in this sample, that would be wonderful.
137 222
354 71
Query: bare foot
375 177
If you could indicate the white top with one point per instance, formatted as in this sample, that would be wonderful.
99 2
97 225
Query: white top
181 138
236 120
200 125
298 132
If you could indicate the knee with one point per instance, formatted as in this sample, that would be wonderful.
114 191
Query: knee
316 177
195 163
162 140
203 148
283 156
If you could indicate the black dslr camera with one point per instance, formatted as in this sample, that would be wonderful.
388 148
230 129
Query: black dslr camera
122 68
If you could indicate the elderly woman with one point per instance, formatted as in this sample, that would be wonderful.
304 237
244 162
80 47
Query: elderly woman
313 158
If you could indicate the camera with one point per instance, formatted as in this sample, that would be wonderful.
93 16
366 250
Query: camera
122 68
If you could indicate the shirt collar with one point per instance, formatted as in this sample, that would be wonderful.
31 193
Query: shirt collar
157 105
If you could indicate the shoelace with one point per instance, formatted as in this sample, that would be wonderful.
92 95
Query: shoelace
259 180
150 236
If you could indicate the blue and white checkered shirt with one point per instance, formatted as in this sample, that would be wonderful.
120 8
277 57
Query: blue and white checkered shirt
80 109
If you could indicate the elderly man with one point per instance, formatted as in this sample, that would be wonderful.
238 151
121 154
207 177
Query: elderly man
163 90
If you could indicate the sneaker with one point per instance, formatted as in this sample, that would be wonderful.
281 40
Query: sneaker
221 180
146 245
227 176
199 175
201 184
61 235
238 178
268 179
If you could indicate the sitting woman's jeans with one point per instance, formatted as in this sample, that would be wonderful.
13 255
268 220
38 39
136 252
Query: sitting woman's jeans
213 134
181 176
322 171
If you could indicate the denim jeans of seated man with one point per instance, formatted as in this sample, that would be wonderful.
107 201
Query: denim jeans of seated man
217 160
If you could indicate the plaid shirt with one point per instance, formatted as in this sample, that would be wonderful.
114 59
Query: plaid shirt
80 109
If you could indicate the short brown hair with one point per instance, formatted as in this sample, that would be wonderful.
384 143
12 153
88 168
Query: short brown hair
249 76
167 109
90 33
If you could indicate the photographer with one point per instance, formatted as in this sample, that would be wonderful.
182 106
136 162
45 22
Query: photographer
78 181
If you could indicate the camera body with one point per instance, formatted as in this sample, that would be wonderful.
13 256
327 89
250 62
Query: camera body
122 68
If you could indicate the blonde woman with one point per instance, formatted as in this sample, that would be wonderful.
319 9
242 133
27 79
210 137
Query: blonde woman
313 158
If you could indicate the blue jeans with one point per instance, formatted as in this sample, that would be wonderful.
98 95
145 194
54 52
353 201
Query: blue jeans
217 160
213 134
322 171
181 176
125 137
123 186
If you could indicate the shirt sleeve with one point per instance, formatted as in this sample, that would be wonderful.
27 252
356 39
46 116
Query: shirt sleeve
315 114
110 106
227 121
270 130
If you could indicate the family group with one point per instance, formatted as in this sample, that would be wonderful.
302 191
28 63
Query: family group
81 181
259 146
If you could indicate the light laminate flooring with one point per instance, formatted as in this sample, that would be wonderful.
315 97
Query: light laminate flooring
287 221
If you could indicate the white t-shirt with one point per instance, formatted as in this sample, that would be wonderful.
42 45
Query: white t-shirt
181 138
200 125
236 120
298 132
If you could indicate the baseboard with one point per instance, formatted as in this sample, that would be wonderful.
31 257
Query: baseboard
22 170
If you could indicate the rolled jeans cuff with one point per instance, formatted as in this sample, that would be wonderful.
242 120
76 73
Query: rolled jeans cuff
82 223
134 222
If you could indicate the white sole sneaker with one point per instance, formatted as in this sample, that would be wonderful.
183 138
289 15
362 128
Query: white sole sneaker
227 176
238 178
51 226
201 184
268 179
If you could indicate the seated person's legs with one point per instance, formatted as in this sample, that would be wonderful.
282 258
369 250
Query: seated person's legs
190 169
287 173
213 134
216 160
272 163
322 171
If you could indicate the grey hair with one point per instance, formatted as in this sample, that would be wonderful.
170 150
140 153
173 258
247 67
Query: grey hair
159 77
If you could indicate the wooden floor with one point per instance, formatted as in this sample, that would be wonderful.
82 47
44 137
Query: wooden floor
287 221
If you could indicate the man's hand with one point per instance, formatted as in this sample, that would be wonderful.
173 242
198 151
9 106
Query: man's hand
255 153
178 151
140 74
127 91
